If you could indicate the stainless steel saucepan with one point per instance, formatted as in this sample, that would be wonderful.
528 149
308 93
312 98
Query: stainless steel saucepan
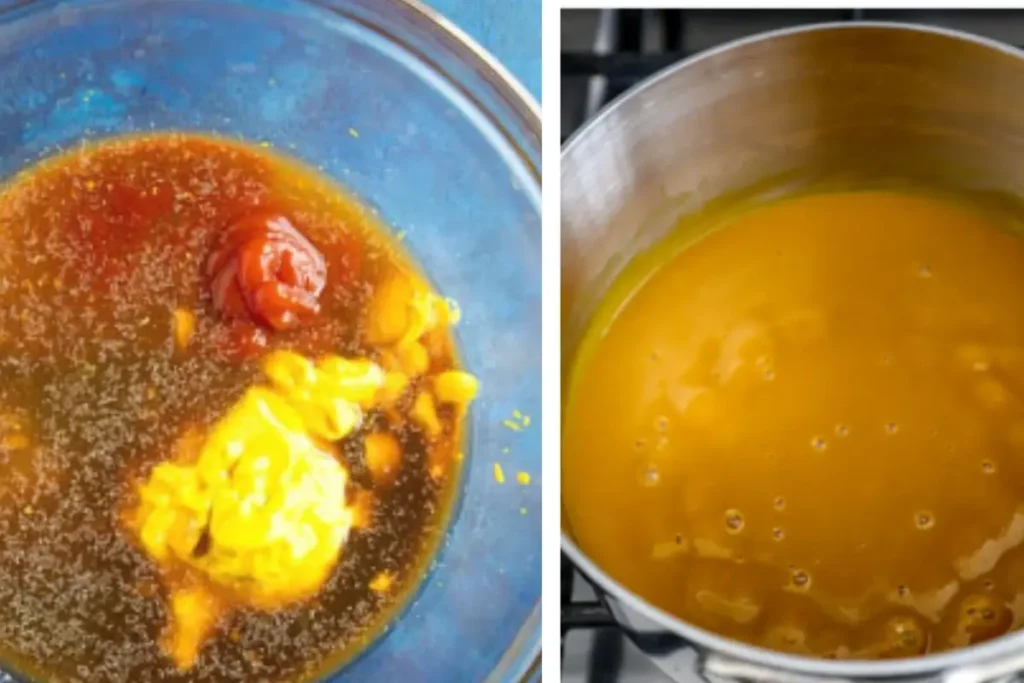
860 103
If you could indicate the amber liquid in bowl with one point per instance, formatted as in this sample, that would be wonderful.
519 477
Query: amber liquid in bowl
805 431
101 247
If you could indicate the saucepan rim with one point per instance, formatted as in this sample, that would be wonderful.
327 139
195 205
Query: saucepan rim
1005 646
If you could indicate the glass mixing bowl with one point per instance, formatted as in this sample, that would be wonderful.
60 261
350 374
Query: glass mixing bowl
418 123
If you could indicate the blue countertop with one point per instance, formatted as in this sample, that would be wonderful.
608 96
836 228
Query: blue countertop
508 29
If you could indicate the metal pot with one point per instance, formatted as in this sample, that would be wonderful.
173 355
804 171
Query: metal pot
853 103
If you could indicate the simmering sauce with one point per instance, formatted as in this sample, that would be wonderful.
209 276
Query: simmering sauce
806 430
144 283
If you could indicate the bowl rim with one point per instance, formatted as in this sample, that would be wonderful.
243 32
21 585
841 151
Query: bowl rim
498 70
511 88
521 659
524 666
1002 648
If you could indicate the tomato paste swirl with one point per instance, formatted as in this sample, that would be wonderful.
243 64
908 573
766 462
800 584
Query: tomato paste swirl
266 270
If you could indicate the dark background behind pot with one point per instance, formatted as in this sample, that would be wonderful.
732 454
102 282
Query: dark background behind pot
604 53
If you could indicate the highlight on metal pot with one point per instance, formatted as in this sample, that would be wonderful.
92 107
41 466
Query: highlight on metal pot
789 281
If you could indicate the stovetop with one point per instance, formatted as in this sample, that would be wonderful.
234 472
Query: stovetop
604 53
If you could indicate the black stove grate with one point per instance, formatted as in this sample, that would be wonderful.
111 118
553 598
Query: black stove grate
580 613
627 46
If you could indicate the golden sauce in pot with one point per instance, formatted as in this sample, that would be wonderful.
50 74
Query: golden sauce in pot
806 430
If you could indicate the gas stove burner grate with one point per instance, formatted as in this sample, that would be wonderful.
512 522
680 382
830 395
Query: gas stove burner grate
580 613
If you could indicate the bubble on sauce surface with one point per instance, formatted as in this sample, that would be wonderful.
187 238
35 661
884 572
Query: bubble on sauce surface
799 580
787 638
924 520
818 443
840 652
892 428
649 475
903 635
978 617
766 366
733 521
842 430
988 466
779 503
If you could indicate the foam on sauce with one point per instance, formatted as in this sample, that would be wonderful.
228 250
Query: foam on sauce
103 249
806 430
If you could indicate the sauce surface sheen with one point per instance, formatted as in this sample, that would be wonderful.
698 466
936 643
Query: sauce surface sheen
806 430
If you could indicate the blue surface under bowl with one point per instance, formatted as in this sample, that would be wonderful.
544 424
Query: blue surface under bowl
418 123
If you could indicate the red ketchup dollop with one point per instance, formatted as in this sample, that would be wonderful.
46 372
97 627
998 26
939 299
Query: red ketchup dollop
265 270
